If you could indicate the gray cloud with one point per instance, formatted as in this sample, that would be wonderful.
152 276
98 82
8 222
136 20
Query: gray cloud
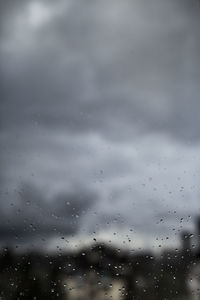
33 217
95 69
102 95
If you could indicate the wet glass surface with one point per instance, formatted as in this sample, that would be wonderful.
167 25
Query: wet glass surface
99 155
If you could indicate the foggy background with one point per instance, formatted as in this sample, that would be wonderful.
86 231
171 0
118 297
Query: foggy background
99 121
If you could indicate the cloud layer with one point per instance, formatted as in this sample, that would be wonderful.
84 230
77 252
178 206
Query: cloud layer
101 96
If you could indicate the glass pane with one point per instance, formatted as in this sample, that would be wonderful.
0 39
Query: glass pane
100 143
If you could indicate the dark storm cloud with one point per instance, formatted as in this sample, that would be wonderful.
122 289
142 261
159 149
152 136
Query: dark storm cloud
33 217
89 69
100 94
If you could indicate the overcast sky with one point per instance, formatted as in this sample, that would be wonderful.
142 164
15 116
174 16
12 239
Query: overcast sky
99 119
